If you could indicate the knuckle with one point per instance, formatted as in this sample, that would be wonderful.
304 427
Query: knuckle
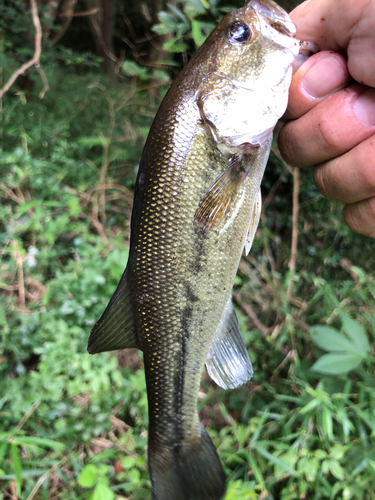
350 218
371 207
321 181
367 165
360 217
286 142
290 142
330 140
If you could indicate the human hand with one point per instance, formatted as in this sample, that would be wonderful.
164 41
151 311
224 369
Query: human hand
332 123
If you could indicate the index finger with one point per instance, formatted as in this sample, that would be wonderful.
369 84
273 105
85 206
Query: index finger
346 27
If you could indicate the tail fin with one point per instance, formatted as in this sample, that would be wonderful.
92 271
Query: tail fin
192 472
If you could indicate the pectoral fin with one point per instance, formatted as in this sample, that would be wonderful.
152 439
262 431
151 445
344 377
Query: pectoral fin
228 362
219 197
115 329
254 221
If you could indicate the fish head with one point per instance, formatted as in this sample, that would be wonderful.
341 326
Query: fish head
245 90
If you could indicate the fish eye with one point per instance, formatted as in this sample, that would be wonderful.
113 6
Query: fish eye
239 32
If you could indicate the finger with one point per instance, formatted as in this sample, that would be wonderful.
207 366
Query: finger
360 217
333 127
349 178
346 26
320 76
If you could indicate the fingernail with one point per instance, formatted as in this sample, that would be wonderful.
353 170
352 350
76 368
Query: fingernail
364 107
323 78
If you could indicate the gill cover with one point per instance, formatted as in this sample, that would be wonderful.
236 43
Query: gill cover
246 89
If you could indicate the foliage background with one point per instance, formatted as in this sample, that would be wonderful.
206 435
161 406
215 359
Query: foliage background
75 426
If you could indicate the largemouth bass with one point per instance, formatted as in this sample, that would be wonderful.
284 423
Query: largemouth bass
196 206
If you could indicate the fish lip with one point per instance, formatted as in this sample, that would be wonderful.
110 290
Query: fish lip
273 14
275 24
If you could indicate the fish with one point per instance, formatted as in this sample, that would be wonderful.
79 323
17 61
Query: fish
197 205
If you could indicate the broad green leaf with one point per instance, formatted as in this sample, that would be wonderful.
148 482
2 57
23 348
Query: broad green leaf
102 492
128 462
309 467
334 467
330 339
355 332
134 475
320 454
337 364
337 452
88 476
289 458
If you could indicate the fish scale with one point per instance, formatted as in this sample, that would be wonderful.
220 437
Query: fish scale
196 205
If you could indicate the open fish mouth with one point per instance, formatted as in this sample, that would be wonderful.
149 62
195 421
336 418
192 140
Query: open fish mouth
276 17
277 26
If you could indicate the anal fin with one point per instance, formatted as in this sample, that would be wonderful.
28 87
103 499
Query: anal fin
115 329
228 362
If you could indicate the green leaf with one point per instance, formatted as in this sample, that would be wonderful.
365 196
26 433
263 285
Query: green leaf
275 460
196 33
130 68
174 46
88 476
320 454
330 339
334 467
205 4
128 462
3 450
3 320
327 423
256 471
355 332
337 452
36 441
102 492
311 405
17 467
309 467
337 364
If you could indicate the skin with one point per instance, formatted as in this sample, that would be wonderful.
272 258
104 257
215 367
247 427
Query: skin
331 111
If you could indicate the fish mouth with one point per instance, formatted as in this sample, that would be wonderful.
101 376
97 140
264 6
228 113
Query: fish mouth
277 26
275 16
